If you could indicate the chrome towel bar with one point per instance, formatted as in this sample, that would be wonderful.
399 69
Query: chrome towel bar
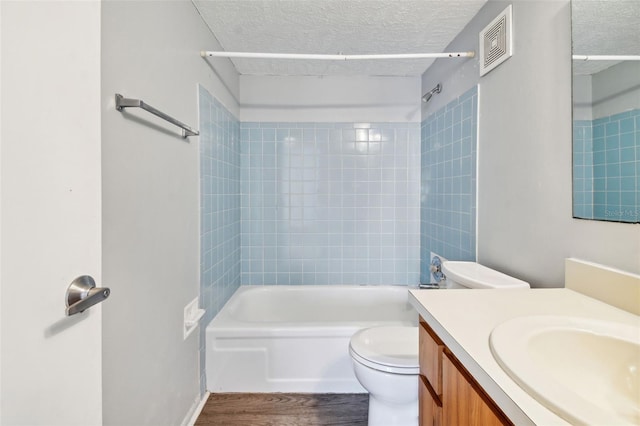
122 102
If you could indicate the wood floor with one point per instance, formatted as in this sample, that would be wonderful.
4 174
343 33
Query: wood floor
284 409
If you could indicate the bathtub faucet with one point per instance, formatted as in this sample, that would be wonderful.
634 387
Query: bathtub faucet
428 286
436 272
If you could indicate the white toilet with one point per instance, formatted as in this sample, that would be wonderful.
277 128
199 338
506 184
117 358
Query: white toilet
474 275
385 359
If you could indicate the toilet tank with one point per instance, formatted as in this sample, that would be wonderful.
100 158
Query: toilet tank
473 275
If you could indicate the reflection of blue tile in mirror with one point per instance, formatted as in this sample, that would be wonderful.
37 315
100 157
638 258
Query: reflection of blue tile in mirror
598 144
598 130
627 125
606 160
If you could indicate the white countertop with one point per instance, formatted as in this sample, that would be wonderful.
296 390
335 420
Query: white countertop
464 319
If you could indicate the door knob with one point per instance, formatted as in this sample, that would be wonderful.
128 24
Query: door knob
83 293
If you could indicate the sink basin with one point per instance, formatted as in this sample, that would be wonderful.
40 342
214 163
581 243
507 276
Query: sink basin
584 370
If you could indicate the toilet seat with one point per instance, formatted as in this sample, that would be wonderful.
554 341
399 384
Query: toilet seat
388 349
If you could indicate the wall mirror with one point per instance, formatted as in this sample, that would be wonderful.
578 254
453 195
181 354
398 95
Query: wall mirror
606 110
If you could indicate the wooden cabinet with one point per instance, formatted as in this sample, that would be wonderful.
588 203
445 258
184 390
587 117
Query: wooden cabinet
464 404
430 382
430 413
431 349
448 394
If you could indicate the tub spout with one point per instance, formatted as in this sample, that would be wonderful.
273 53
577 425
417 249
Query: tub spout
428 286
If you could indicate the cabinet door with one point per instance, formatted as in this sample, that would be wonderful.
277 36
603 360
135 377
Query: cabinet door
462 404
430 407
431 349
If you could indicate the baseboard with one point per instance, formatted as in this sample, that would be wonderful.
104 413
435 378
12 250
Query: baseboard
194 412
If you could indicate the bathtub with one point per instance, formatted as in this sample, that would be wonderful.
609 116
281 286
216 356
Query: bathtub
296 338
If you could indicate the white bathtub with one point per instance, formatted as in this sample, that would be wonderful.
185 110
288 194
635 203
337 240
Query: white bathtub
296 338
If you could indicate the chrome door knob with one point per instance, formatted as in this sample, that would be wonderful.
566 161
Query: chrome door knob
83 293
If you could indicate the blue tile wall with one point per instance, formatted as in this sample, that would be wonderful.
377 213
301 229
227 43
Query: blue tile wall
582 169
606 166
448 190
330 203
219 210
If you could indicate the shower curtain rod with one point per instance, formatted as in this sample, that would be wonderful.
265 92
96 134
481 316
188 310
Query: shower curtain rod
339 57
606 57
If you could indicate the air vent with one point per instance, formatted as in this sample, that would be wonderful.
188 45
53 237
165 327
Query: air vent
495 42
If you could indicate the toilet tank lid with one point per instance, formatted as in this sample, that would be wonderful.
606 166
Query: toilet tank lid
474 275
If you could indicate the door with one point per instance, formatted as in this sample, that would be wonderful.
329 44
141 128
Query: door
50 364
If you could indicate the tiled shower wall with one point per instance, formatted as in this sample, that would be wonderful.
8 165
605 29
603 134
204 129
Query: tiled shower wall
583 169
219 210
448 190
330 203
606 163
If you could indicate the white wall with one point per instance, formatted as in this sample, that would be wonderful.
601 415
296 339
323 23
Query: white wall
50 198
459 74
525 224
329 99
582 97
616 89
608 92
151 205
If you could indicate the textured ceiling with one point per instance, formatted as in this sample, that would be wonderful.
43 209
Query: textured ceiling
604 27
336 26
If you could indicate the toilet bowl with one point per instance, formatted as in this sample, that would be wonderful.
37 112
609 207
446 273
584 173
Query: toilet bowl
385 359
385 362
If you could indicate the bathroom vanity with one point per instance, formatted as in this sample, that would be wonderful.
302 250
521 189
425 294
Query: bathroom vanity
448 394
461 382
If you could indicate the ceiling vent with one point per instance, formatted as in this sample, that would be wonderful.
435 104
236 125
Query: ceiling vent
495 42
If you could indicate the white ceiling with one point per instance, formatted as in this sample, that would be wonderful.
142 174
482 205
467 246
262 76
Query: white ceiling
336 26
604 27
